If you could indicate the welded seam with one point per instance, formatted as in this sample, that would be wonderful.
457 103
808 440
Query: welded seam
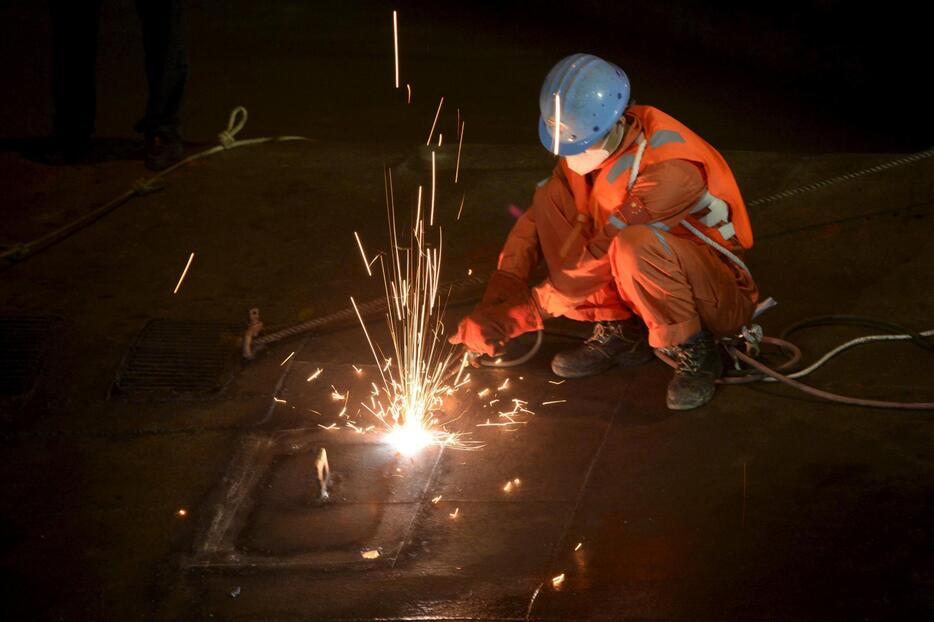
580 498
418 509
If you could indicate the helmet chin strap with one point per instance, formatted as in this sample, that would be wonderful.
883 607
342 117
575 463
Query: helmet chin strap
615 137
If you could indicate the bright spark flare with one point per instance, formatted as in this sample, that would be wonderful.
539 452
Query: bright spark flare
317 373
460 143
395 44
366 263
557 126
557 581
435 122
184 272
431 220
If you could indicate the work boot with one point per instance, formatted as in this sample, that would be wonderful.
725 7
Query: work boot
162 151
623 343
699 366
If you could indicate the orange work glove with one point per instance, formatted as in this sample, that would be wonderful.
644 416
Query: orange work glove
506 311
504 287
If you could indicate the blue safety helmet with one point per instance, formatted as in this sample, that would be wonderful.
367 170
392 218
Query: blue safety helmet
594 94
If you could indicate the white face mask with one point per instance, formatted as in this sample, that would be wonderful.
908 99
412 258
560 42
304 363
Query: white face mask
594 156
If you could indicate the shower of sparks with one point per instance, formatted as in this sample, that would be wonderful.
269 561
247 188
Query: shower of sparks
395 44
313 376
184 272
557 124
286 359
435 122
460 143
363 254
333 426
557 581
413 389
553 402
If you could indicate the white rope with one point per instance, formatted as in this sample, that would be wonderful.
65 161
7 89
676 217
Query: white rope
718 247
227 137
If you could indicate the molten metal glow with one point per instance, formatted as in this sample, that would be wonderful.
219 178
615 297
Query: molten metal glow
410 439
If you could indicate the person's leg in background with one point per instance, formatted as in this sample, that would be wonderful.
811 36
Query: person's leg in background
75 28
165 43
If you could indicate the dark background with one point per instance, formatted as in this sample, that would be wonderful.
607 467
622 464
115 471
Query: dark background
824 76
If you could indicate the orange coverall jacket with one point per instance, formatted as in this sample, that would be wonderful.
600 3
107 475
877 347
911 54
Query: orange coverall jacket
677 177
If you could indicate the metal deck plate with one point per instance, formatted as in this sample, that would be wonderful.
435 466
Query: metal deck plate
23 341
173 359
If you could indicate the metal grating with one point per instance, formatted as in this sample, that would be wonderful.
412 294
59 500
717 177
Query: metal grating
23 340
173 359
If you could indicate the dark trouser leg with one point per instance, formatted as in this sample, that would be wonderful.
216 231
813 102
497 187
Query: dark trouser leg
74 58
164 41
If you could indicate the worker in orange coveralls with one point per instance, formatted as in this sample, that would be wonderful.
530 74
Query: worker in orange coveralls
642 228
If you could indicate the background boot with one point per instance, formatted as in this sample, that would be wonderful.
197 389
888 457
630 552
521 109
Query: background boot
162 151
623 343
699 366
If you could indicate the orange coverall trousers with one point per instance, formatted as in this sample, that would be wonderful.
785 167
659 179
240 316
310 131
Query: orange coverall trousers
677 285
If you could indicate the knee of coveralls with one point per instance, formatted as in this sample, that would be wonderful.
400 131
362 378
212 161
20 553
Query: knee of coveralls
579 291
678 286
